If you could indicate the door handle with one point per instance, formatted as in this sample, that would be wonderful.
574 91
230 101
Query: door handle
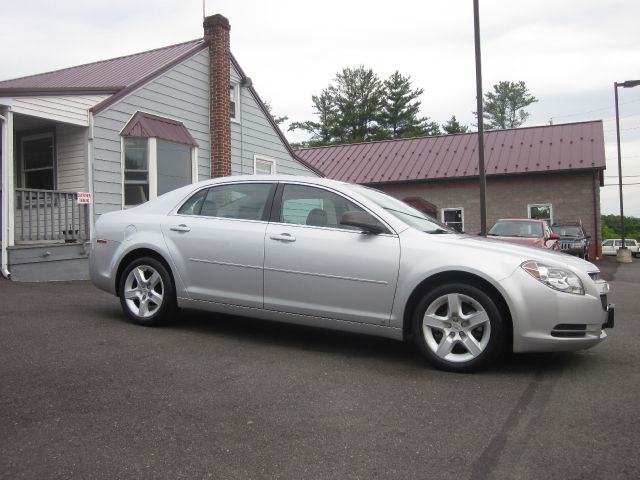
285 237
180 228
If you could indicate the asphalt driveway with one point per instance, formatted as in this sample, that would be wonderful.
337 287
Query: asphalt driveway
85 394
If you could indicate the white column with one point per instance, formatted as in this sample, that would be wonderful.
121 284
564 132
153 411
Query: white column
153 168
8 195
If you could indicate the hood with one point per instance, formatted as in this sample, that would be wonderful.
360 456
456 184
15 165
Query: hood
518 253
520 240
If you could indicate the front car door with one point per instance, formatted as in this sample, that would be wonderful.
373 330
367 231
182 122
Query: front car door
315 266
216 241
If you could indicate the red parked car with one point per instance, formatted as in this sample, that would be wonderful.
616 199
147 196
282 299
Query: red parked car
535 233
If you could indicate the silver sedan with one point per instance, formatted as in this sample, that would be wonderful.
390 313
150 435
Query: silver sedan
335 255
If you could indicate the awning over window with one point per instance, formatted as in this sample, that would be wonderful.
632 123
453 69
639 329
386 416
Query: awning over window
148 125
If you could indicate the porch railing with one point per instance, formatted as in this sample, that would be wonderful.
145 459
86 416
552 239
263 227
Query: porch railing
50 216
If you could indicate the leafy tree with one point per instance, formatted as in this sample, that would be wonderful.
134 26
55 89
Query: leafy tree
359 107
399 116
504 107
322 131
611 227
278 120
357 96
453 126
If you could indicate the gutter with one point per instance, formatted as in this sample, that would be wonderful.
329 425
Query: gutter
4 269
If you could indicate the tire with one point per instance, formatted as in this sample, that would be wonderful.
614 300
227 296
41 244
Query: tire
147 294
447 339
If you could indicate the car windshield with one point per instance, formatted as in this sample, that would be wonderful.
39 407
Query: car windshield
404 212
567 230
516 228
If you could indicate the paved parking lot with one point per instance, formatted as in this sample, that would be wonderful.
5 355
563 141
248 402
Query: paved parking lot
84 394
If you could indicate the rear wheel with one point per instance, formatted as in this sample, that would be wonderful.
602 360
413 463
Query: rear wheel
458 327
146 292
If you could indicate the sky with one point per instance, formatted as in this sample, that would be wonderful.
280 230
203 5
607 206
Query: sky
568 52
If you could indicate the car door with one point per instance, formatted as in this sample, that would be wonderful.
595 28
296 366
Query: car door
216 241
315 266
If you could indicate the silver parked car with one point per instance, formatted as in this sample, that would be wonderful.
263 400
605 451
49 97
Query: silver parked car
330 254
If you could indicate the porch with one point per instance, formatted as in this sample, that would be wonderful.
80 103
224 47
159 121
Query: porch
45 228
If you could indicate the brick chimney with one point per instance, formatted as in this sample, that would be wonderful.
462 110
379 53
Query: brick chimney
216 34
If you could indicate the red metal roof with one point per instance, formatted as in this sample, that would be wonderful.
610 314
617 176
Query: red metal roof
570 146
147 125
106 76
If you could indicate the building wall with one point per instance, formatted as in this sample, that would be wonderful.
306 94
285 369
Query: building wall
61 108
253 134
183 94
180 94
574 196
71 151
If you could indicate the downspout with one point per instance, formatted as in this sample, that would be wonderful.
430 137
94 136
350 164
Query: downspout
596 220
4 269
90 182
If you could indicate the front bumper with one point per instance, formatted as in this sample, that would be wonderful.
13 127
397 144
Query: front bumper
546 320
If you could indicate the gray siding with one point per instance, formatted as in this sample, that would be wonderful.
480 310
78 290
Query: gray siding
254 135
71 151
181 94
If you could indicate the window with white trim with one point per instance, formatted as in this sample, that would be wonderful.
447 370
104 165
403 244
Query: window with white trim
264 165
136 170
454 218
153 166
541 211
234 99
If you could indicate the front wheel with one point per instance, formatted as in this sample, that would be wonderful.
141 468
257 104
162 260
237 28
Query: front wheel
458 327
146 292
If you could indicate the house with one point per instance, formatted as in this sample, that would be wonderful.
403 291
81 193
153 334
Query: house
552 172
86 140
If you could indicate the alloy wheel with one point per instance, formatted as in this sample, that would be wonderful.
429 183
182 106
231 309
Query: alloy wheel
456 328
144 291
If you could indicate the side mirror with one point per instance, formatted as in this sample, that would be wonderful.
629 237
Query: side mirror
554 236
588 236
362 220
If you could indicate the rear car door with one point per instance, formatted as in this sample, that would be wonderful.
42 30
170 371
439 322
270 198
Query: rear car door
315 266
216 241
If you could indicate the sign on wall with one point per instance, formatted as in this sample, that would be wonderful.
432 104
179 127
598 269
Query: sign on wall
84 198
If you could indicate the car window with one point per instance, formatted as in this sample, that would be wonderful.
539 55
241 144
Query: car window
302 205
246 201
630 243
402 211
524 228
618 243
607 243
567 230
194 204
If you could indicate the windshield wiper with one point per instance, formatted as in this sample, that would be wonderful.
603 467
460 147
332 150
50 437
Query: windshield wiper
438 231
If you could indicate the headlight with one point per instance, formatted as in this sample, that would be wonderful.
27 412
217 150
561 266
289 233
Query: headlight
554 277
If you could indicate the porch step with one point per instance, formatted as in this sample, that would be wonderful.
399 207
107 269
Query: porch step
49 262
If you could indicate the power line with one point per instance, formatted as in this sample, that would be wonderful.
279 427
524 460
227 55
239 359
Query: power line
592 111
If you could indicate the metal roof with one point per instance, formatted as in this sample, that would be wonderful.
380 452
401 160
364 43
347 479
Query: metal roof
147 125
104 76
571 146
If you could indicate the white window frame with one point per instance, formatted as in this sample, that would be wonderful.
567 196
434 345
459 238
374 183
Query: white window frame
449 209
549 204
235 118
152 167
264 159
